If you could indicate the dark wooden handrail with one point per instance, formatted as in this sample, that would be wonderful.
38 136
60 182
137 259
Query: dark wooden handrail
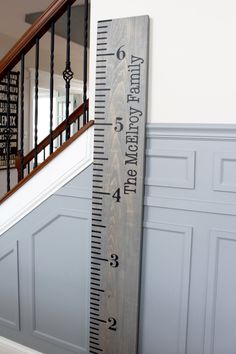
55 133
47 161
37 30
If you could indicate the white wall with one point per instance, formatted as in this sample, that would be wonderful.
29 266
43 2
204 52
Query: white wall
192 57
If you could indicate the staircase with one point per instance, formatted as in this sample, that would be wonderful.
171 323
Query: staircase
19 164
32 176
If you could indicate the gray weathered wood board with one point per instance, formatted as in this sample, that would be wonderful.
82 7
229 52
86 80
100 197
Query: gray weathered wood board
118 173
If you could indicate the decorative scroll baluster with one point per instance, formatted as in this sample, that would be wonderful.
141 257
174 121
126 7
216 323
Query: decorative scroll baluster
52 84
25 163
36 103
8 133
22 117
85 70
68 73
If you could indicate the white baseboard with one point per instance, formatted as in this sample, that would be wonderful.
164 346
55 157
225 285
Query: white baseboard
70 162
9 347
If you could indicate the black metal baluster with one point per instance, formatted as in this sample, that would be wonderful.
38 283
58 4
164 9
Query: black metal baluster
8 133
22 117
36 103
85 75
52 84
68 73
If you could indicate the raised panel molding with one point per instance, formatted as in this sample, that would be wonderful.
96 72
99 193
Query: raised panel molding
36 232
9 287
224 172
171 246
221 293
174 168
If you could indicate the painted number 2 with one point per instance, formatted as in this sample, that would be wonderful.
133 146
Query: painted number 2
113 323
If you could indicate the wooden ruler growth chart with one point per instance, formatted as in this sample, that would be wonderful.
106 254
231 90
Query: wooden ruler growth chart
118 178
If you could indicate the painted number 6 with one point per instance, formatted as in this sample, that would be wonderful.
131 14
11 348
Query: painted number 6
120 54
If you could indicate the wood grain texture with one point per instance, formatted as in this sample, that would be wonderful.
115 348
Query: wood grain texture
37 30
119 146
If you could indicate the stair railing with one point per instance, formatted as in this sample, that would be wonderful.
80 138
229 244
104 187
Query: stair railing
10 81
56 135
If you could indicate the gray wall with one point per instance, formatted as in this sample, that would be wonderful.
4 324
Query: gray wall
189 253
44 273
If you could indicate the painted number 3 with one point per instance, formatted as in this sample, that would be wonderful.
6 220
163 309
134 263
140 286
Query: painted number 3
114 261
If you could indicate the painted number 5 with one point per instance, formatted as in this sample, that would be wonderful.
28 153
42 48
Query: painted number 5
119 125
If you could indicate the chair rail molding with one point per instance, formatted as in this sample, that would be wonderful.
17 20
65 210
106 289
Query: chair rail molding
192 131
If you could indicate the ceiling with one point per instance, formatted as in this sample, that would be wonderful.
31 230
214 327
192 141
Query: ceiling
12 14
77 24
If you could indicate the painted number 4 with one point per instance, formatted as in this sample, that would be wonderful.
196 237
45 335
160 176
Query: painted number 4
116 195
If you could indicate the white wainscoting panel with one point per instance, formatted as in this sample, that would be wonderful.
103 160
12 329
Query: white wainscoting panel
60 279
224 171
220 331
166 277
171 168
9 287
